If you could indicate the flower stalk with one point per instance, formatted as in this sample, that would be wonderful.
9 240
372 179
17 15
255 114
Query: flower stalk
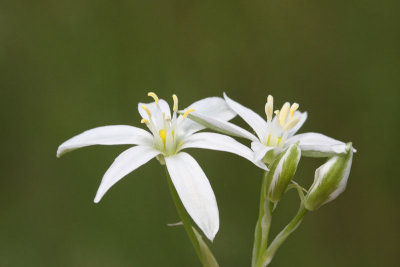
263 223
204 254
266 258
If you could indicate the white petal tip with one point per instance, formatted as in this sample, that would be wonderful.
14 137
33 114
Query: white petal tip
60 152
211 237
212 233
97 199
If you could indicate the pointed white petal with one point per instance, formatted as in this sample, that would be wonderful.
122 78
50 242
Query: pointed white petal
106 135
258 124
317 145
126 162
195 192
260 150
215 107
221 126
303 118
221 142
153 108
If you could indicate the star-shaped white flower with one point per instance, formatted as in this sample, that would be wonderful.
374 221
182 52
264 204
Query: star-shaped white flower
276 133
168 136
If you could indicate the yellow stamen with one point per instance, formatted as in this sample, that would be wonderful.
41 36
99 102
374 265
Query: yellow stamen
269 139
269 107
283 114
145 121
279 140
147 110
291 123
154 96
293 109
187 113
175 98
163 135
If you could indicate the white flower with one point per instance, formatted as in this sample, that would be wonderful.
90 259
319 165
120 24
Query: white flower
276 133
169 135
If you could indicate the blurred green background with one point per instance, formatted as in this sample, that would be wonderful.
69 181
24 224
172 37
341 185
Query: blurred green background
68 66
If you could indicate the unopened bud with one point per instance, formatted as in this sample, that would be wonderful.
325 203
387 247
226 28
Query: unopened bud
282 172
330 180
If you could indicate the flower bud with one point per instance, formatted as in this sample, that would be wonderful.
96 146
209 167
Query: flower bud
330 180
282 172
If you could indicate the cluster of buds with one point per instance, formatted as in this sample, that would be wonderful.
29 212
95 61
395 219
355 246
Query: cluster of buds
329 182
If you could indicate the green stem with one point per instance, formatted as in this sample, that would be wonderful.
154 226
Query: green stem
263 224
202 252
281 237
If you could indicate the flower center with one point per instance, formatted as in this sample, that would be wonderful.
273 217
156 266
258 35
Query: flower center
280 124
165 130
163 135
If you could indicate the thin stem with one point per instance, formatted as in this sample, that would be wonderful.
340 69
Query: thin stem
197 244
263 224
281 237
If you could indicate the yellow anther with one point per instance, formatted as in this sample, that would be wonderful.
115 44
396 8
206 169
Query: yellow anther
276 112
283 114
163 135
269 107
270 99
145 121
147 110
279 140
175 98
293 109
291 123
154 96
187 113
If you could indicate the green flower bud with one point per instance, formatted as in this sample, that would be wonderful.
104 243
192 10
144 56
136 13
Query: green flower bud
330 180
281 172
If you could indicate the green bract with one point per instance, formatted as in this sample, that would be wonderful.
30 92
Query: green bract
330 180
282 172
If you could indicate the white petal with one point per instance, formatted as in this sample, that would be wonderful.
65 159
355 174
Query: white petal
153 108
215 107
126 162
221 142
260 150
258 124
303 118
221 126
317 145
195 192
106 135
